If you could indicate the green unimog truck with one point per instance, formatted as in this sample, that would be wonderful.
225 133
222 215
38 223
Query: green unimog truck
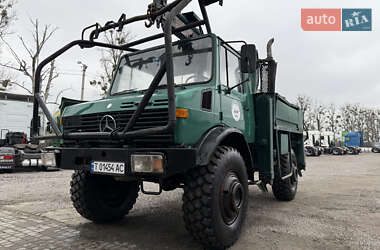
194 114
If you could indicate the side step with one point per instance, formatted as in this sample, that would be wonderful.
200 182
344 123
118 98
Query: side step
260 185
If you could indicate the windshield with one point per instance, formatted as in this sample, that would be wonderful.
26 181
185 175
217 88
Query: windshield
192 64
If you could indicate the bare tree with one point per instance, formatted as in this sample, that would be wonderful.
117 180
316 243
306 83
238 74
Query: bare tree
349 117
28 67
318 116
374 125
333 119
110 59
360 119
371 126
304 103
6 16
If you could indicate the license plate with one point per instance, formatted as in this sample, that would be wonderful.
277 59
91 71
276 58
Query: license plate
108 167
6 167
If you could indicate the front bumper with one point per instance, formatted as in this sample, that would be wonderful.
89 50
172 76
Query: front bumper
176 160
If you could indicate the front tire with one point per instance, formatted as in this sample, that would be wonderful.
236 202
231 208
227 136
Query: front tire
215 199
285 190
101 199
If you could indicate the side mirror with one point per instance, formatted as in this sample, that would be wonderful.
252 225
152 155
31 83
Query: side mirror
248 58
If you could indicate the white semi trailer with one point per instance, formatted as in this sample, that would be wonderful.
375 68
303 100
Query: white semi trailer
16 112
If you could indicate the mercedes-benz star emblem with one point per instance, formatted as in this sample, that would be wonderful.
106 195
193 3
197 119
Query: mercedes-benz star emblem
107 124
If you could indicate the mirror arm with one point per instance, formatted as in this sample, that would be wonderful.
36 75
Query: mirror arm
229 89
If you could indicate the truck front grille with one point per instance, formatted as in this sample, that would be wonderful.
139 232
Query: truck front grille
150 118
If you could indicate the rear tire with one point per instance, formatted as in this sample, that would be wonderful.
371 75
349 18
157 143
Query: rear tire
351 151
309 152
101 199
337 151
319 152
285 190
215 199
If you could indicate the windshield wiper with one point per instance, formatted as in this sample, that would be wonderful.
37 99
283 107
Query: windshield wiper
128 91
165 86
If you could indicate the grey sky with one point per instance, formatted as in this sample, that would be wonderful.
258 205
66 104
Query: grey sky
338 67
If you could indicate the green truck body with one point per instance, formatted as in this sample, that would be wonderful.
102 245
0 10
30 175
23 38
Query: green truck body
196 114
263 118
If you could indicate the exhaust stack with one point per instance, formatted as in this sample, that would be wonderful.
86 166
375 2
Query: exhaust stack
269 49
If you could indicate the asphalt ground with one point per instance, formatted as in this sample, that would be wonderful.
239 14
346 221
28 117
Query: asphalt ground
337 207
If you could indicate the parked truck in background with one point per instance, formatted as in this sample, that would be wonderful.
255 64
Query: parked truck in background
15 148
353 141
318 142
194 113
312 143
16 112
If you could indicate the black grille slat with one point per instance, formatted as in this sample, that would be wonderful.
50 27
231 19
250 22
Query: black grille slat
150 118
89 119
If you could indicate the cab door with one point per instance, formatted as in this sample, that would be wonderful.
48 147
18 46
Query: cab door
232 103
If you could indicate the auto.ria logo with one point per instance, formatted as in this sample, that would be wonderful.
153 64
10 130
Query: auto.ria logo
336 19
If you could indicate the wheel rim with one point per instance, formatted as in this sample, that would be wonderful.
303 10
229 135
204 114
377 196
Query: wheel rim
232 198
111 192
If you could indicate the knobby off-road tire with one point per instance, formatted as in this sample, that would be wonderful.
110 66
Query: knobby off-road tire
101 199
285 190
215 199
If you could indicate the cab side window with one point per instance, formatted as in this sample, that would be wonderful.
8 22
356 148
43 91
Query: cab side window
223 66
230 74
234 73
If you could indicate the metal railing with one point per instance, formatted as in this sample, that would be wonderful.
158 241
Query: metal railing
170 11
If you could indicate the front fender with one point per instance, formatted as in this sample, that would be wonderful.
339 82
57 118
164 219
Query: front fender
223 136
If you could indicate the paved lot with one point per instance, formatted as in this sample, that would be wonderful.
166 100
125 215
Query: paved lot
337 207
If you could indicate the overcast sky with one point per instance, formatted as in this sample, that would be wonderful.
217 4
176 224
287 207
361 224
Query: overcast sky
339 67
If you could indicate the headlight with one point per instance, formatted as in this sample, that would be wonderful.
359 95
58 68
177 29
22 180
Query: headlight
48 159
147 163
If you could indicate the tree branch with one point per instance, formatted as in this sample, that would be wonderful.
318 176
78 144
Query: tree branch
25 46
21 86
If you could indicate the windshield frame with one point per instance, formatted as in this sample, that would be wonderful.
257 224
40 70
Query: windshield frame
163 47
